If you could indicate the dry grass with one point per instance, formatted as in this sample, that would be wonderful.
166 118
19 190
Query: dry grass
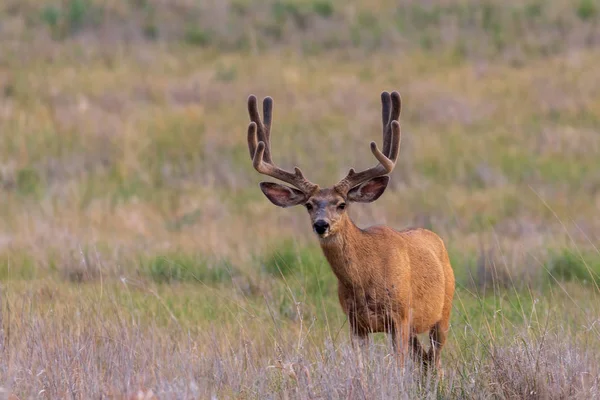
137 253
113 340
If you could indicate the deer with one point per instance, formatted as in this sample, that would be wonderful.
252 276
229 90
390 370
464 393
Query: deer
396 282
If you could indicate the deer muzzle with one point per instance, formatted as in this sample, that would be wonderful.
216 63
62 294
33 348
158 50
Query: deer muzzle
321 226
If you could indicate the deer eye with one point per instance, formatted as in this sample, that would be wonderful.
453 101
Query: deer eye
308 206
341 206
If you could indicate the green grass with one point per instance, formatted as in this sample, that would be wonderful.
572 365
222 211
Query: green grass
197 36
569 265
586 10
287 258
18 267
182 268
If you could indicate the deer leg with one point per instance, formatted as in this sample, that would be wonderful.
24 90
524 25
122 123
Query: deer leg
360 340
359 337
401 338
437 337
419 353
438 334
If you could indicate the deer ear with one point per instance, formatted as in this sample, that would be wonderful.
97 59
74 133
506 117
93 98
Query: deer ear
369 191
281 195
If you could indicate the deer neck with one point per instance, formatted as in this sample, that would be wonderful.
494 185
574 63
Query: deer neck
340 249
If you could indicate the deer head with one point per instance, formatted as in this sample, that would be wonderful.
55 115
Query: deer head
327 207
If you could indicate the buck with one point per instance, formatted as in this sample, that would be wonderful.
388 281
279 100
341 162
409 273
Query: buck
397 282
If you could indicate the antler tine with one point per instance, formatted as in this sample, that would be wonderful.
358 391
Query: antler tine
391 106
386 103
390 111
252 142
268 116
259 135
262 129
396 106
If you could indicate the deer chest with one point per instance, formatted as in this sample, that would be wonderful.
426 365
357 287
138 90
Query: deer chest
366 309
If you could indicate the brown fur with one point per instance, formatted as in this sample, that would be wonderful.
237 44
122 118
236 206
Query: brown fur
399 282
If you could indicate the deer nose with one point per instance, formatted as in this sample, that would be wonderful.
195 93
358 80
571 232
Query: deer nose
321 226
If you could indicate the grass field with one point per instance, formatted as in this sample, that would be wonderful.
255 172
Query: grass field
137 252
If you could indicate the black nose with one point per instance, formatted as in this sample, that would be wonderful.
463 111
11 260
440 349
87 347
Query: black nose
321 226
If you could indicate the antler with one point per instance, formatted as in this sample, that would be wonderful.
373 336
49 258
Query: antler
259 144
390 113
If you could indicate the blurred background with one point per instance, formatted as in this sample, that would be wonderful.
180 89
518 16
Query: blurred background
126 187
123 123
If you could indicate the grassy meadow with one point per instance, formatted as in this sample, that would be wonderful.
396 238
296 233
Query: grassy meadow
138 256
